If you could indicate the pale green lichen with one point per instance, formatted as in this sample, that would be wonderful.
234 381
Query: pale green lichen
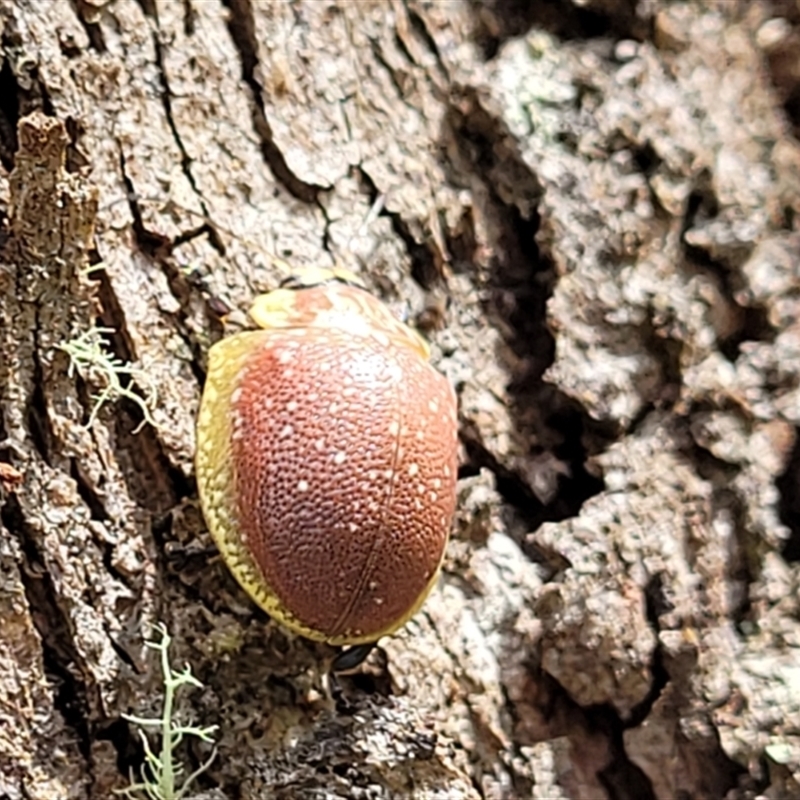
88 356
160 773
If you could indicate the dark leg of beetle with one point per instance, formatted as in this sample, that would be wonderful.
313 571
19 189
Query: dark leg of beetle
348 660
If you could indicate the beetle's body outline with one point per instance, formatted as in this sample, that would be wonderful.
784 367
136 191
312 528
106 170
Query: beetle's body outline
353 326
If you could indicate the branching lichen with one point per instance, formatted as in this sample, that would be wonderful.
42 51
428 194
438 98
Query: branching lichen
159 772
97 366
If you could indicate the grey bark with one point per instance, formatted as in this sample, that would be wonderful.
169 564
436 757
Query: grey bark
591 210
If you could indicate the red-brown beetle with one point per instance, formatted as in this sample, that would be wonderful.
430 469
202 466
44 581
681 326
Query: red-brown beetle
326 461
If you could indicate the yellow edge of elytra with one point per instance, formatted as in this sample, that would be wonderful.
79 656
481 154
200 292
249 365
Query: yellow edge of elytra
215 483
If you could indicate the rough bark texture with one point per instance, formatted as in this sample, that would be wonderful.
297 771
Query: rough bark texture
591 209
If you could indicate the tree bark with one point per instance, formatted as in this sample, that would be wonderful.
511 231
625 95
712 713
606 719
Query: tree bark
591 211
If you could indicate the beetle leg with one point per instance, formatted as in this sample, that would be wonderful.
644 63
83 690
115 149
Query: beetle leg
351 658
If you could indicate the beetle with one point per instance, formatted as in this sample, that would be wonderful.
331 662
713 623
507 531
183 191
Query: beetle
327 461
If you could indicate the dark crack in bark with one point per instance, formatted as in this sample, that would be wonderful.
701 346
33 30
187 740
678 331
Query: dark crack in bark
183 286
427 266
150 10
501 20
242 30
788 484
88 16
75 696
522 279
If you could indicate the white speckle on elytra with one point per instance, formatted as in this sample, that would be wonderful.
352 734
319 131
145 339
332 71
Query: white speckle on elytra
421 488
433 405
324 366
387 473
394 429
288 372
312 397
413 469
286 431
236 395
446 471
291 406
284 356
436 483
433 496
373 585
302 486
340 457
396 374
319 444
352 527
419 435
378 601
269 402
333 407
372 474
